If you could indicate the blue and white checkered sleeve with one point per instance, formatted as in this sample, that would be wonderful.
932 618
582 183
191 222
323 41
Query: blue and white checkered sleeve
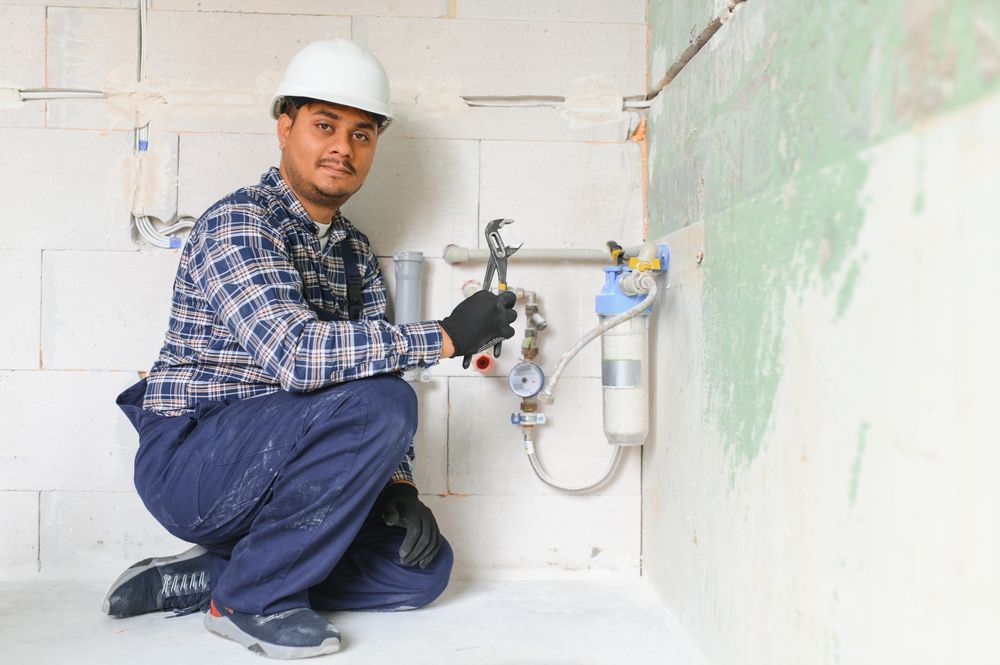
243 269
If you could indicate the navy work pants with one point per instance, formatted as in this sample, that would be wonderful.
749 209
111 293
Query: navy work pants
281 488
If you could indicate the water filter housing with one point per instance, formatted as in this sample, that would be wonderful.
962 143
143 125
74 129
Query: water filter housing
624 372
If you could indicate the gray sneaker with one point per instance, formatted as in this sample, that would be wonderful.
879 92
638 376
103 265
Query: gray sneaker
298 633
181 583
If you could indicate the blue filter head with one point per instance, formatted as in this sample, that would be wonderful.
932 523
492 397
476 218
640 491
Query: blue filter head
611 300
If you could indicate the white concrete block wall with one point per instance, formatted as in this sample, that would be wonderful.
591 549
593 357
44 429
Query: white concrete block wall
209 50
590 11
64 189
85 535
566 195
424 195
312 7
62 431
21 273
88 304
95 318
504 57
19 546
22 39
86 46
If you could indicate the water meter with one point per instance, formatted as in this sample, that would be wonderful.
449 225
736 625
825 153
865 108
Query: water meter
526 379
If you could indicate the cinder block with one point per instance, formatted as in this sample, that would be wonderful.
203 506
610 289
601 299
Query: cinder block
196 78
21 275
22 47
22 57
19 525
27 114
420 196
102 114
596 11
95 216
112 4
213 166
541 537
230 51
430 444
96 535
459 121
87 47
485 452
531 58
64 431
312 7
567 194
134 290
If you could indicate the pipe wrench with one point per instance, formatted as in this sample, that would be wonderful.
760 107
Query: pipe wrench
497 263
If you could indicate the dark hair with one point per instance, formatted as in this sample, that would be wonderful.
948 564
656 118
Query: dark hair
291 105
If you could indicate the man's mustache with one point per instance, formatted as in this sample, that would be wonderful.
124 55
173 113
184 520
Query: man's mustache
338 163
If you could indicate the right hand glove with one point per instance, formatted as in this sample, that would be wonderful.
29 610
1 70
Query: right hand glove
480 321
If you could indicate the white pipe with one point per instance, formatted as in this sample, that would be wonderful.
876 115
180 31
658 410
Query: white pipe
143 27
457 254
58 93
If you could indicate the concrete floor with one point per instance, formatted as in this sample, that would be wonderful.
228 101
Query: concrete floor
495 623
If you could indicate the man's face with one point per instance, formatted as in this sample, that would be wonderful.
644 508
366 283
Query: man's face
325 154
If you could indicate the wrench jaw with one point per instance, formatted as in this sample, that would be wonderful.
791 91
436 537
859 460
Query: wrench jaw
496 264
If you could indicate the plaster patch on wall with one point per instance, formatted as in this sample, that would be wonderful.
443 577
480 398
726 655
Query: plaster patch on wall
10 98
441 99
153 101
592 100
150 178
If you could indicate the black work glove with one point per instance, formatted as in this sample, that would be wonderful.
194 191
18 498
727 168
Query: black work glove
480 321
399 506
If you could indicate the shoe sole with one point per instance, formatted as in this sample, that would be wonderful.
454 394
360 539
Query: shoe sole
223 627
139 568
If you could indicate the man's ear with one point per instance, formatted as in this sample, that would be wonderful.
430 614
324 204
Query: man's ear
283 127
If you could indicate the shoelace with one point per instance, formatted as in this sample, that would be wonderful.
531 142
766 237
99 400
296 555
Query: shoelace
200 606
188 591
185 585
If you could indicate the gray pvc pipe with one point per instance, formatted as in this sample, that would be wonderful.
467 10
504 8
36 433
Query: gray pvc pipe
409 268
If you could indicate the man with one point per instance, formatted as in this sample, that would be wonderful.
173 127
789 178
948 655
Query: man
274 430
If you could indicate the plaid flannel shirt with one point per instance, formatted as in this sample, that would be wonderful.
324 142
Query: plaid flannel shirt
244 316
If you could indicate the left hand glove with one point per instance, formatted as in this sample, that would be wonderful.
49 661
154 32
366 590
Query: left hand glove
399 506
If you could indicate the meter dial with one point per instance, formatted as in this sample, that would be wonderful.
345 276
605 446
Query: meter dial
526 379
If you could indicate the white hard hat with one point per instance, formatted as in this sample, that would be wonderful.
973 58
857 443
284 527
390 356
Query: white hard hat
338 71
